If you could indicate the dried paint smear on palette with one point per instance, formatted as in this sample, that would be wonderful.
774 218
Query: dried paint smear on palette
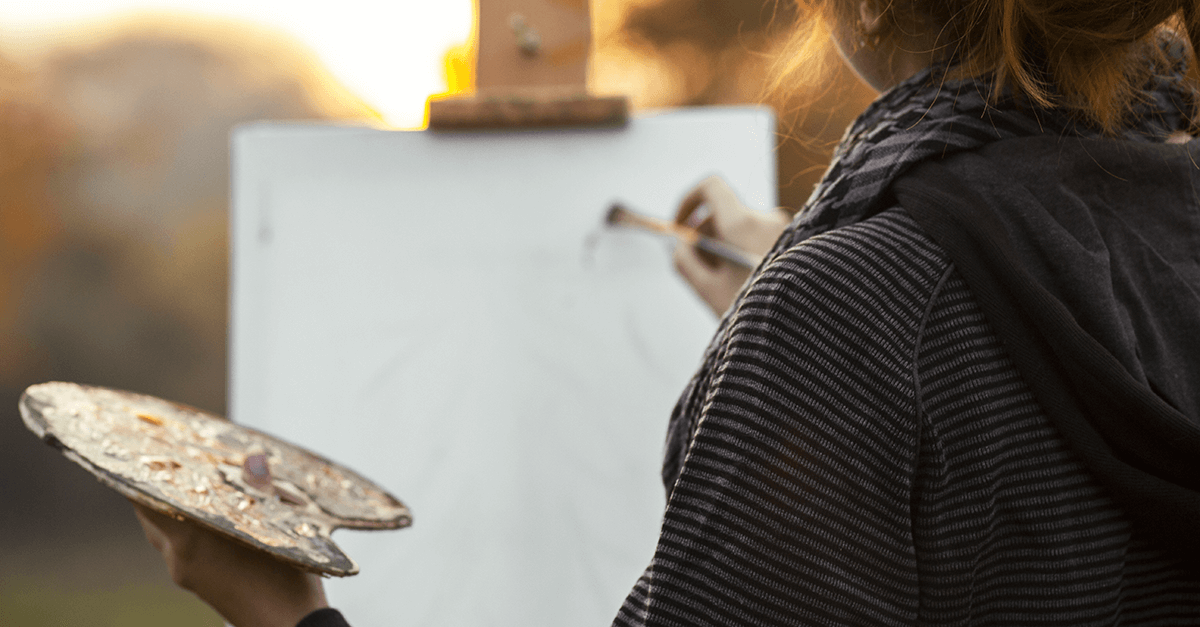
262 491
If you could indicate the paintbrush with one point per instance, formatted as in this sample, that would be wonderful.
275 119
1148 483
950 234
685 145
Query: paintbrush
620 215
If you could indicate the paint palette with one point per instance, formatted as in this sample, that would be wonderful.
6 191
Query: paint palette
266 493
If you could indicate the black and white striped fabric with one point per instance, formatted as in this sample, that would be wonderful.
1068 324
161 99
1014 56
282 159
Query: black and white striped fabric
925 117
857 448
867 454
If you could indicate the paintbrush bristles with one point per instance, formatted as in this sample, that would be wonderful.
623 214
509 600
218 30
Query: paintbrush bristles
616 214
619 215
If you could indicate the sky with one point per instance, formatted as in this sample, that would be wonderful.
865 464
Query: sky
389 53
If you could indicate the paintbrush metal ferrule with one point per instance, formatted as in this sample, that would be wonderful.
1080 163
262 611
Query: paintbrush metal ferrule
620 215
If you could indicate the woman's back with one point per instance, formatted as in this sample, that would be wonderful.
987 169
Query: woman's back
869 454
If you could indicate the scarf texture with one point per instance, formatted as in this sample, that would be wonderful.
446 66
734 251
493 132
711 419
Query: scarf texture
927 117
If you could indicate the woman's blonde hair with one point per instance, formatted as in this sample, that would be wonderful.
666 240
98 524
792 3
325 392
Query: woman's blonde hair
1089 56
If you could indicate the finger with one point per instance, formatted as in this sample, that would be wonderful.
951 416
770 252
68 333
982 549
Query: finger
163 530
160 524
175 539
724 215
701 196
154 534
719 195
689 204
689 266
716 285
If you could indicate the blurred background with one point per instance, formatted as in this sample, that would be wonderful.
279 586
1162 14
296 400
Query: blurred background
114 174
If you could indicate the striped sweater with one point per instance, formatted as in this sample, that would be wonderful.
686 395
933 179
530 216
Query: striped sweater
865 453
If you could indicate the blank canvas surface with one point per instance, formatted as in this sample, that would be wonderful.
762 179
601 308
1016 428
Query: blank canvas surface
446 314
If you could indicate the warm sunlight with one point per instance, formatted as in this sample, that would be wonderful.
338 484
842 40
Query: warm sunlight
393 55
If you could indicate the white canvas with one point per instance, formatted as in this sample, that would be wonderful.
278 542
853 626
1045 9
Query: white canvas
446 314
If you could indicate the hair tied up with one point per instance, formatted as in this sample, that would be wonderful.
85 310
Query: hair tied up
1091 57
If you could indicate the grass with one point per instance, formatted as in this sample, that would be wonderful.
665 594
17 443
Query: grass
94 579
37 602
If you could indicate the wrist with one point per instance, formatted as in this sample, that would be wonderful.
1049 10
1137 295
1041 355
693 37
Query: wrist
275 599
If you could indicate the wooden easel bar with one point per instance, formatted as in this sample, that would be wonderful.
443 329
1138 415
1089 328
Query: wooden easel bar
525 111
531 71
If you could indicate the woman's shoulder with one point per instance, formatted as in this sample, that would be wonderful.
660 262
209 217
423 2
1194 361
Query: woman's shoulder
843 309
882 267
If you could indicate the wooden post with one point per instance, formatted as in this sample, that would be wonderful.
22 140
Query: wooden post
531 71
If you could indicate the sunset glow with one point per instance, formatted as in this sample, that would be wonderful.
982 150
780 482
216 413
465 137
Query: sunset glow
393 55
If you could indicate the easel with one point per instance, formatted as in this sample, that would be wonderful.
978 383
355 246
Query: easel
531 71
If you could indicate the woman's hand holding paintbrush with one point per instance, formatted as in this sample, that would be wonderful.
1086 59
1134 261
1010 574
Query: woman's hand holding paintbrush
620 215
726 239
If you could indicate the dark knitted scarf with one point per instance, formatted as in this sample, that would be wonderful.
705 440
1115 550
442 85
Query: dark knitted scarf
924 118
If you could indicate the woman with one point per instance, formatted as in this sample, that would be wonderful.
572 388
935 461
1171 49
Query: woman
962 387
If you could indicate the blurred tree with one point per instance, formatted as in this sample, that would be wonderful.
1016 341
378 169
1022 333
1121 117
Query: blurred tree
137 295
114 179
31 137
